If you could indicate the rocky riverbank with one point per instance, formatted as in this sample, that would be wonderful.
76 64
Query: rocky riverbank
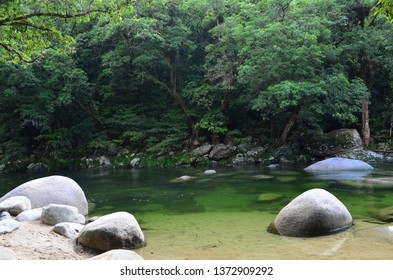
345 143
46 219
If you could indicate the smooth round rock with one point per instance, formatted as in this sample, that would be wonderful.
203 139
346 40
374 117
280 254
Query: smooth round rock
338 164
119 230
315 212
52 189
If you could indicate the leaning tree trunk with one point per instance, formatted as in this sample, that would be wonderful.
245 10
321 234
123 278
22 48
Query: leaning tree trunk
291 123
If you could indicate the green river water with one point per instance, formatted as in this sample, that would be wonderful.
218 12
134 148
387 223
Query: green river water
225 215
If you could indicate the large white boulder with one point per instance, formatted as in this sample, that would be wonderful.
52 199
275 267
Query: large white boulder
338 164
315 212
52 189
118 230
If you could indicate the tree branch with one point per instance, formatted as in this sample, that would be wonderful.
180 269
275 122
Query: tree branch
28 24
50 15
11 50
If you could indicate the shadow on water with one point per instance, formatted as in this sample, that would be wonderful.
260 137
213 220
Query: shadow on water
225 215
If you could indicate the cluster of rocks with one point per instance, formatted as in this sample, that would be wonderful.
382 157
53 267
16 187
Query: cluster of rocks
60 202
236 154
344 143
92 162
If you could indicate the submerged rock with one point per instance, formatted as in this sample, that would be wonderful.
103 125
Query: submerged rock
269 197
183 178
315 212
384 215
384 233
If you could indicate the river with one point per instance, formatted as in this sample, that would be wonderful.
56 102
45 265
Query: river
225 215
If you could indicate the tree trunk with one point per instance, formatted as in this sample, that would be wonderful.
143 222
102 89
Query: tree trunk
365 124
367 75
291 123
391 124
215 138
173 92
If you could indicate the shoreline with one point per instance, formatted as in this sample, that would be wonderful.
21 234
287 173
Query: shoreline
36 241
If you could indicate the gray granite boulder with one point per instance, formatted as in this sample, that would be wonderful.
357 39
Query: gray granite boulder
334 142
55 213
221 151
315 212
15 205
29 215
37 167
202 150
118 254
338 164
52 189
118 230
70 230
8 225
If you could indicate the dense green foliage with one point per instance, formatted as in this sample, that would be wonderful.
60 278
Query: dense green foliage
164 75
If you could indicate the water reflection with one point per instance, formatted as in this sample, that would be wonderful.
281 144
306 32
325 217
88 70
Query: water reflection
341 175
